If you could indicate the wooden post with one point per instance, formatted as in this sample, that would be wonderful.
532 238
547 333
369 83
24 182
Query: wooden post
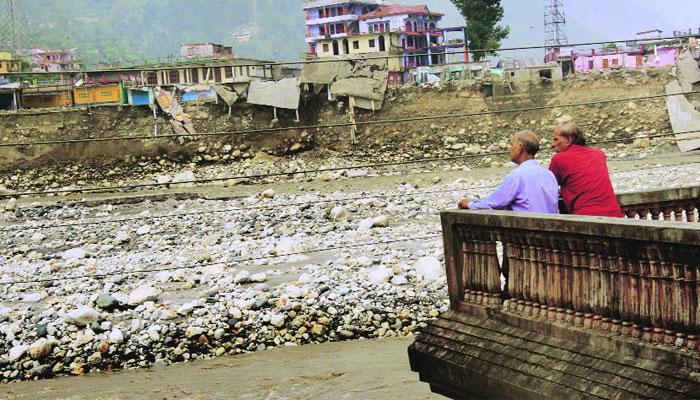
274 112
353 127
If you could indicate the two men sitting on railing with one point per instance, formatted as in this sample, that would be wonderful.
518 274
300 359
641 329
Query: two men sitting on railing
580 171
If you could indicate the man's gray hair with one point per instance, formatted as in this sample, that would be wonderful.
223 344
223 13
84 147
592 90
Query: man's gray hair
571 130
529 140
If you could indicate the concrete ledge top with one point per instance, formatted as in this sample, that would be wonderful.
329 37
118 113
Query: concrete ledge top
687 234
658 196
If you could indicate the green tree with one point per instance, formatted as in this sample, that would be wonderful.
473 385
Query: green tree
483 30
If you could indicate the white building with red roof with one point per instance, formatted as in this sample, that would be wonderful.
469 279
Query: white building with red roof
411 35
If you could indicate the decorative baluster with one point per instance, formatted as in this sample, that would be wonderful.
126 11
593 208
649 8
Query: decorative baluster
678 214
668 211
656 214
690 213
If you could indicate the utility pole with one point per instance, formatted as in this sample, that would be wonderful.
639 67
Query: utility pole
554 25
12 26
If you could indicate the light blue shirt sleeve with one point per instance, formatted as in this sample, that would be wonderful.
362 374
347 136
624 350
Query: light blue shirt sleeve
502 198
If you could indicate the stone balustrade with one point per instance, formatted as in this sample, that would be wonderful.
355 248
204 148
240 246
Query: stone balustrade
633 278
678 204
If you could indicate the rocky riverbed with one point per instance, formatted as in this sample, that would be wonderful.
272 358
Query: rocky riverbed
177 280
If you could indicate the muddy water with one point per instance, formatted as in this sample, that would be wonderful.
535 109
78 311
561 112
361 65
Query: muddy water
361 369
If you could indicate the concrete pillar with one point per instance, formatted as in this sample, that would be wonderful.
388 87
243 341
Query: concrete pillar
430 57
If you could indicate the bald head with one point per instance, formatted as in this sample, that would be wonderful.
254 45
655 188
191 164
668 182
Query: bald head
529 141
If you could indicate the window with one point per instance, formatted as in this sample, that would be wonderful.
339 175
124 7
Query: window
386 27
615 62
151 78
371 43
325 48
606 63
217 74
356 45
174 76
195 75
340 28
371 28
228 72
545 74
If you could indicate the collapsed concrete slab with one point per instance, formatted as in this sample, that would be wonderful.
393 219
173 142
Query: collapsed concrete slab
365 80
228 96
284 93
685 119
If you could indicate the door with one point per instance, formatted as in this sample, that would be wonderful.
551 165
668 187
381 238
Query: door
346 47
382 45
336 50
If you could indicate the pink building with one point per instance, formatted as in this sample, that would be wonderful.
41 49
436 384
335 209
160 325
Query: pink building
205 50
634 58
54 60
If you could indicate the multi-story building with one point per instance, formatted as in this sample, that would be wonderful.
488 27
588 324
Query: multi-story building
54 60
334 19
410 34
205 50
8 63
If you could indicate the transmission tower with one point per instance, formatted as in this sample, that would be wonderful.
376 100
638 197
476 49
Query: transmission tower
554 25
13 24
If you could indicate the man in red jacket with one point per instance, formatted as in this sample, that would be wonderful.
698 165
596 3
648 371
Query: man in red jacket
582 174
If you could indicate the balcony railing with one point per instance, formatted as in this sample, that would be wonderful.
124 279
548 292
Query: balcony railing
629 277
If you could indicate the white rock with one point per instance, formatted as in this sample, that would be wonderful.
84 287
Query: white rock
193 331
259 277
142 294
337 213
429 269
399 280
242 277
268 193
230 226
287 246
116 336
365 225
235 312
154 332
122 236
294 292
355 173
41 348
82 316
11 205
143 230
17 352
163 179
184 176
73 254
380 221
187 307
379 275
277 320
84 337
37 237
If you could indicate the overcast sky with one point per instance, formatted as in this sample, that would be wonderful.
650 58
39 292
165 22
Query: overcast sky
587 20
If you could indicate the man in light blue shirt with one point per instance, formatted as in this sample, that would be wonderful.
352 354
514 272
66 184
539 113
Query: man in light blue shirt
528 188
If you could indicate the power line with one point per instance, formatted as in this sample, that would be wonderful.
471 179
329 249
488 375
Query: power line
252 176
229 63
225 263
21 228
100 189
347 124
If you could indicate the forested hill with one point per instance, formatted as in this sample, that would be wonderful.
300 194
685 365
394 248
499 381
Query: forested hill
110 30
